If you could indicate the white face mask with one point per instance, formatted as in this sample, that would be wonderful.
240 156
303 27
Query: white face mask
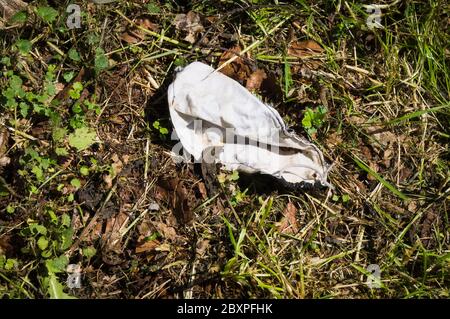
210 110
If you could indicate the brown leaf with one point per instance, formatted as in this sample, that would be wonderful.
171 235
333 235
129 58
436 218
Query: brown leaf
161 194
166 231
116 119
190 23
288 224
147 24
202 247
108 181
181 204
3 140
4 160
238 69
255 80
128 38
94 234
173 191
334 139
112 236
147 246
134 35
202 189
145 229
374 167
9 8
6 245
117 167
306 48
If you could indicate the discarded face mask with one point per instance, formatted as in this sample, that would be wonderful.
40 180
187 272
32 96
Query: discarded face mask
219 121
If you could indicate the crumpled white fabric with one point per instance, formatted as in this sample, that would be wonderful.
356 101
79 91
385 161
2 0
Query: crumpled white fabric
210 110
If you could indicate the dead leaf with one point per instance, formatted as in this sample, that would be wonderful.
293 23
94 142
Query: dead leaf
202 189
374 167
94 234
147 246
334 139
385 143
10 8
301 49
117 164
255 80
404 174
6 245
116 119
136 35
238 69
59 87
112 236
147 24
108 180
288 224
117 167
202 246
4 160
173 191
166 231
125 159
367 153
161 194
145 229
181 204
190 23
128 38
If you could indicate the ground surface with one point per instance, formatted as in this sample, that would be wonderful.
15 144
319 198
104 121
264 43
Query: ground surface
87 179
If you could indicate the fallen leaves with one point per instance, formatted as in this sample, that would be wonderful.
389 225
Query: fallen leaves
202 190
116 168
189 23
177 195
4 160
6 245
288 224
147 246
238 69
112 236
255 80
9 8
241 71
82 138
305 51
150 231
166 231
302 49
136 34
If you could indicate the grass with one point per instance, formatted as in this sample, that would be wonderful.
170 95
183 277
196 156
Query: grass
89 179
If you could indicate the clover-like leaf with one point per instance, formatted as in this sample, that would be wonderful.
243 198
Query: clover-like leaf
82 138
48 14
